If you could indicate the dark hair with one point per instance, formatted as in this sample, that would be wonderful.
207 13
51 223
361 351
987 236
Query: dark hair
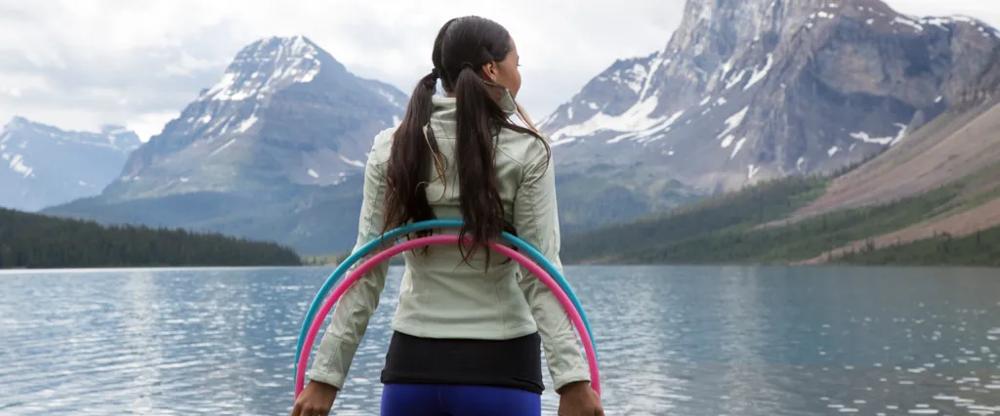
462 47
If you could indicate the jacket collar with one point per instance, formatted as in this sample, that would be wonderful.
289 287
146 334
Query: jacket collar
443 107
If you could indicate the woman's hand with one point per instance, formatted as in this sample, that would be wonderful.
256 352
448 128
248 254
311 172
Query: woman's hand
579 399
316 399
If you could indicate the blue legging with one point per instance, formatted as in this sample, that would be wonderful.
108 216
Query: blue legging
458 400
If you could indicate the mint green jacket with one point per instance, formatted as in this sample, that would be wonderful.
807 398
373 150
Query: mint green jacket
442 297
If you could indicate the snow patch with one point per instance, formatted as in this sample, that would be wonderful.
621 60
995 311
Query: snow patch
389 97
357 163
293 61
636 118
644 135
17 165
728 141
885 141
648 76
832 151
732 81
562 141
904 21
900 135
728 65
313 173
863 136
734 121
760 74
936 21
221 148
246 124
752 171
736 149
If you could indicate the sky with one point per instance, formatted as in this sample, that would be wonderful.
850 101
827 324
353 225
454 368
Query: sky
81 64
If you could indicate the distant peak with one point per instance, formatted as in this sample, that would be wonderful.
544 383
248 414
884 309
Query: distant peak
290 47
18 120
114 129
269 64
21 122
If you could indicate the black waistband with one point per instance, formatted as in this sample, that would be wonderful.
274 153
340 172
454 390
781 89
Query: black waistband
512 362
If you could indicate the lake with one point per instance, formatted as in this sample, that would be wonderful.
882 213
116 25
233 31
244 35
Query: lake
712 340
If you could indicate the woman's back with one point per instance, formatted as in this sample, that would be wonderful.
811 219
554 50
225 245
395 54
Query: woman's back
443 297
461 320
460 156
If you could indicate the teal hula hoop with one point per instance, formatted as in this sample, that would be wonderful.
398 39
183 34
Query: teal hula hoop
358 254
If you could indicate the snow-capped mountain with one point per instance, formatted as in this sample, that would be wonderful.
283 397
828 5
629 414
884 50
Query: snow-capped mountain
284 111
747 90
41 165
283 132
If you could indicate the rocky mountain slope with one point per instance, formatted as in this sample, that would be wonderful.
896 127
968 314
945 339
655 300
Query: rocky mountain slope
934 198
285 111
41 165
959 150
751 90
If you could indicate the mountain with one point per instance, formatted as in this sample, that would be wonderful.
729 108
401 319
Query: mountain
274 150
933 199
285 111
42 165
749 90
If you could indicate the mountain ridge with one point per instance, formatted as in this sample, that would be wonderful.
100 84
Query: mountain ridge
42 165
746 91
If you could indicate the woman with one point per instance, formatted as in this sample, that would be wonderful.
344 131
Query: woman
469 325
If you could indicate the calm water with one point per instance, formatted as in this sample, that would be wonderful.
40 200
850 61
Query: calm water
673 340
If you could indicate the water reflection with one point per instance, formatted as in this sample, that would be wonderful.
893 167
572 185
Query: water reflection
672 340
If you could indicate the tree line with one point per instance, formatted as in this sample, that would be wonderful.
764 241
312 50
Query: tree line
30 240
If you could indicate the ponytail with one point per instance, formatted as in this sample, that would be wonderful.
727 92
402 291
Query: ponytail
482 208
463 45
406 180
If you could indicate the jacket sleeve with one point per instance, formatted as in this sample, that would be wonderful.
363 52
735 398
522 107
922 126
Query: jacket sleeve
536 221
351 314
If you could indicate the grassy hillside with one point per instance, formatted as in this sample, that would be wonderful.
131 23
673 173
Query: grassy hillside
38 241
979 249
728 229
730 213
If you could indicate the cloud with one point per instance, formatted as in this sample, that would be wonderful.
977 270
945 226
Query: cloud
79 64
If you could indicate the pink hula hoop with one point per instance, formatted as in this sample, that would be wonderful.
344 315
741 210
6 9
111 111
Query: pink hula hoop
443 239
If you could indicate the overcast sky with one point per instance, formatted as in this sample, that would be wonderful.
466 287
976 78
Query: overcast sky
79 64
